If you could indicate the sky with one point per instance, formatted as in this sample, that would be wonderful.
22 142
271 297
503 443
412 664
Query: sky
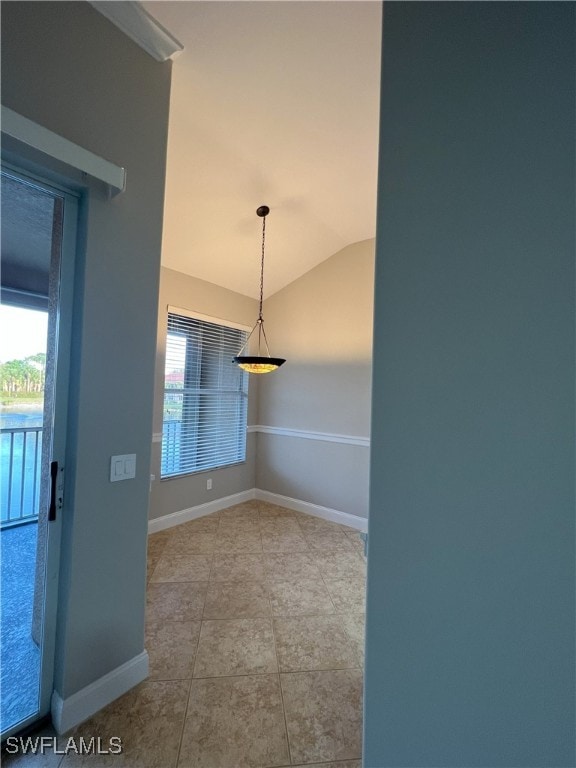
22 332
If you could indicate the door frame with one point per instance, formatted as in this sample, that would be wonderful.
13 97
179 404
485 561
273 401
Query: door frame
64 322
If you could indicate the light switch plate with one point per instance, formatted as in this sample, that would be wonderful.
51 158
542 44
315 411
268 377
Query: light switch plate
122 467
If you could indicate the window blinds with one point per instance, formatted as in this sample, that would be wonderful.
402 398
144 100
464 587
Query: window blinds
205 397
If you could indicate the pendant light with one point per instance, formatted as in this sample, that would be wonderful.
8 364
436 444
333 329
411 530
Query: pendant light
259 363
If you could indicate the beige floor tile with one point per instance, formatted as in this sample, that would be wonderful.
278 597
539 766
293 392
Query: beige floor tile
272 525
249 542
283 542
234 722
339 764
236 600
240 525
348 529
182 567
248 511
237 567
171 647
313 642
175 602
156 544
356 542
354 624
349 595
206 524
236 647
323 714
268 511
318 626
158 535
310 524
151 564
149 721
326 540
197 543
340 564
243 505
285 566
304 597
49 759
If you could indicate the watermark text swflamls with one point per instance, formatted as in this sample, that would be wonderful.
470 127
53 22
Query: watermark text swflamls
42 745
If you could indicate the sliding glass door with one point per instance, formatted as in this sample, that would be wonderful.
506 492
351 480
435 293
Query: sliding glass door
38 252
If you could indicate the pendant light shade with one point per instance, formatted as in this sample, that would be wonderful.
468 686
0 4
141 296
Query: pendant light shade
258 362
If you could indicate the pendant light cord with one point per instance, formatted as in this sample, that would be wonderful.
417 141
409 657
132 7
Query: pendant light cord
262 267
260 321
257 363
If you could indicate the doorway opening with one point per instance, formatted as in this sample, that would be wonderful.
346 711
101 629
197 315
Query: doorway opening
32 431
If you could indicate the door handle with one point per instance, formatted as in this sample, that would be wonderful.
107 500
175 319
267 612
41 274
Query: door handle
53 491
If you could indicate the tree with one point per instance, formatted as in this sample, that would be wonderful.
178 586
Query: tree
27 375
38 362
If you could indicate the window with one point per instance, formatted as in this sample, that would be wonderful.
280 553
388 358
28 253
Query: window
205 395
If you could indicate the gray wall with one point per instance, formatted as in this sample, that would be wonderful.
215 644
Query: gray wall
322 324
470 631
179 493
67 68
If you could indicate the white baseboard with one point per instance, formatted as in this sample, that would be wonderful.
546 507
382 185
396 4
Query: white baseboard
334 515
192 513
70 712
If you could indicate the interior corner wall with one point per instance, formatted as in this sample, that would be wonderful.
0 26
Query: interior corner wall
70 70
177 494
470 609
315 410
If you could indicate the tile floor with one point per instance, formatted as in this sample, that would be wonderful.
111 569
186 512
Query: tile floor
255 632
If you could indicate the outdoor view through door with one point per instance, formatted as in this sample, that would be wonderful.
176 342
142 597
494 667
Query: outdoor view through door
22 376
33 228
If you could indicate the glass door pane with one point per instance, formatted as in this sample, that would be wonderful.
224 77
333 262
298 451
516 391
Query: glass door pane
32 236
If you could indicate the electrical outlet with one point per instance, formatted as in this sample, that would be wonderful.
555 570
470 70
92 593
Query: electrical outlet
209 484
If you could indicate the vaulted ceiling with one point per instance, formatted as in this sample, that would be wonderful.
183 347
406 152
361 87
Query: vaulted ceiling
272 103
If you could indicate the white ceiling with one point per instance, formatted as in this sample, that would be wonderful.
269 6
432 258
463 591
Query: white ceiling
272 103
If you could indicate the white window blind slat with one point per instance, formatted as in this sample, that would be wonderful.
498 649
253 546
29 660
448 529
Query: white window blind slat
205 396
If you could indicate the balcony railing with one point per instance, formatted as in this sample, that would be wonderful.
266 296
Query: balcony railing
20 464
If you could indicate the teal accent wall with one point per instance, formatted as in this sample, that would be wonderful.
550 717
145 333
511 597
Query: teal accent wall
70 70
470 617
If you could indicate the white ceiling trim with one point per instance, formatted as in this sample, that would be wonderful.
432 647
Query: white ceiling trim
137 24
